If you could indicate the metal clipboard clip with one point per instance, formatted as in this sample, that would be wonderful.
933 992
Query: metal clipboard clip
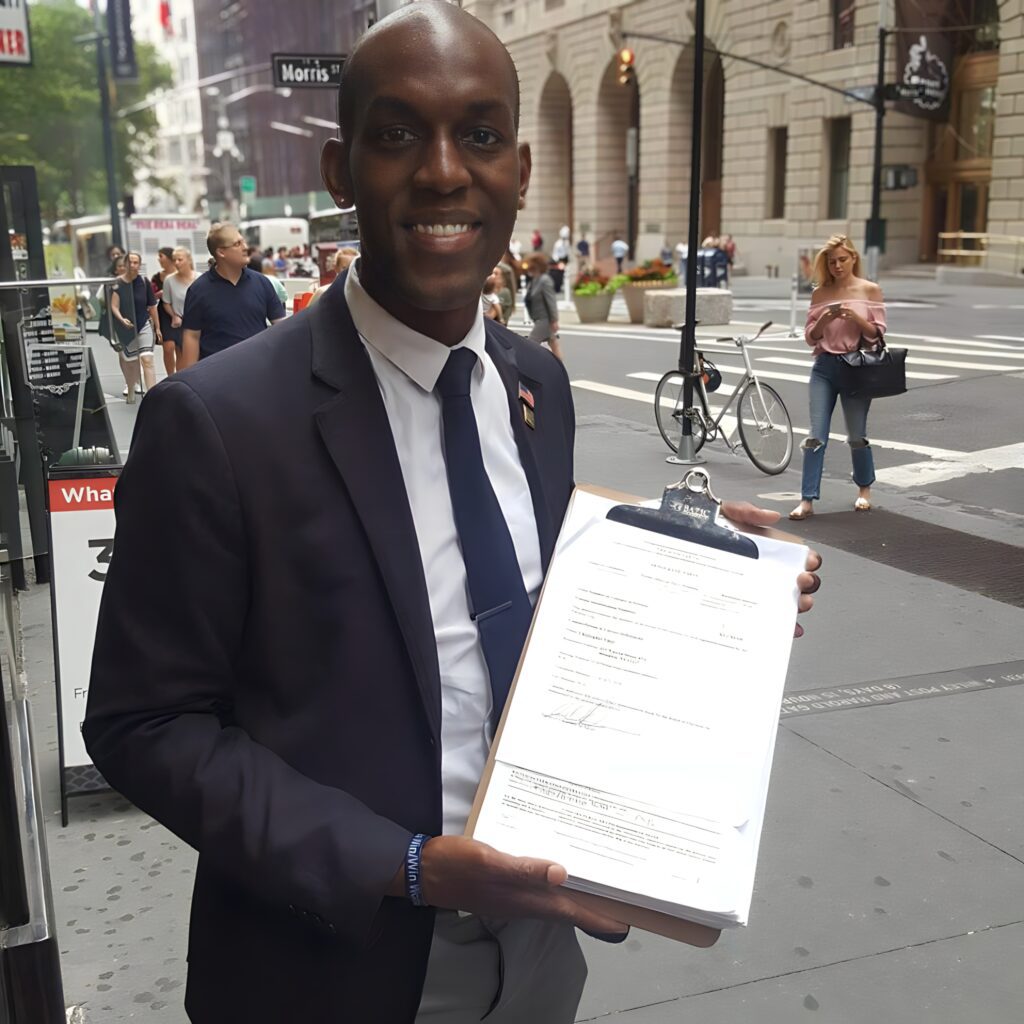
689 511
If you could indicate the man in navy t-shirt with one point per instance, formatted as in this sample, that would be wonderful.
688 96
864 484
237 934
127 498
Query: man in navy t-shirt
228 303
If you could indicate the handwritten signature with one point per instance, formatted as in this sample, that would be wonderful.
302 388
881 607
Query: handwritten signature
586 715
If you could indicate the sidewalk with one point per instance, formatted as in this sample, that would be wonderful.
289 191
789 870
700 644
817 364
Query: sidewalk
890 884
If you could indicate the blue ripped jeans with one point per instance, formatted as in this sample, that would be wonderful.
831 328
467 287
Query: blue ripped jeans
824 390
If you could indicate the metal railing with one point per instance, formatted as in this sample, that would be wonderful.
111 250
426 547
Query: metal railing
1002 253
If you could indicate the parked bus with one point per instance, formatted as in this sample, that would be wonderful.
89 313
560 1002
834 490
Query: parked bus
273 232
334 228
89 237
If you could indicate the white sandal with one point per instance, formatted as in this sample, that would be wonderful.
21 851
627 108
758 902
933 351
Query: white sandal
862 505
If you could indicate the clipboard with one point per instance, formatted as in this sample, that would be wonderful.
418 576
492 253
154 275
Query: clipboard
689 510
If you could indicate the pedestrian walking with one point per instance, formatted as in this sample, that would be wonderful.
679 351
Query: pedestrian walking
620 250
563 246
504 290
175 289
340 486
227 304
846 311
171 335
536 240
268 269
541 302
133 307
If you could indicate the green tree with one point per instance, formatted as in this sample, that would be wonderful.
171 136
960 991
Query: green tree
51 113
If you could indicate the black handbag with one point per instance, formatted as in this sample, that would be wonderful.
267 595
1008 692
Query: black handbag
873 373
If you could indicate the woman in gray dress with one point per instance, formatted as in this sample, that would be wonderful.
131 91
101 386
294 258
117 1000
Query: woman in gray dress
542 304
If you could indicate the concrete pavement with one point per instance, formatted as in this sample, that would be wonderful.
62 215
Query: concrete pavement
891 876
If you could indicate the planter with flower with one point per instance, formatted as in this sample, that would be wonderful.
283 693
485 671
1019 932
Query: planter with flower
591 297
640 280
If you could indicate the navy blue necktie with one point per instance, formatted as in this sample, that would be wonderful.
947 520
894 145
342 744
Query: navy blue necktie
497 597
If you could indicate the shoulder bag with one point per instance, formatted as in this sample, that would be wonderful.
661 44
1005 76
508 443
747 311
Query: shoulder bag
877 372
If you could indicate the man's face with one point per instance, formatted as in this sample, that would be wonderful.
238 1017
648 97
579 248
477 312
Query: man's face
433 165
233 254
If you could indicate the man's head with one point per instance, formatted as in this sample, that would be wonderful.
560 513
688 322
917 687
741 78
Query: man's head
268 268
428 154
227 247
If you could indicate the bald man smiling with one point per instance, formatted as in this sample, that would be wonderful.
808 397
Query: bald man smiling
366 498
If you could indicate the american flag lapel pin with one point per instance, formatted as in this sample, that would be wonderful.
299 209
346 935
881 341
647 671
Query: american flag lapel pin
526 400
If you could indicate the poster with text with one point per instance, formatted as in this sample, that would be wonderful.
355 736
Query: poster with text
82 535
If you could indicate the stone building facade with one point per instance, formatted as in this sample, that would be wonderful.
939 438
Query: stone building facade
786 163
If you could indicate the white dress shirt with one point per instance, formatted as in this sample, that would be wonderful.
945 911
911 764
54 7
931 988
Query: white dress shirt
407 365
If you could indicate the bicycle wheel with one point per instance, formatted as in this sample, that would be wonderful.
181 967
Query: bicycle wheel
668 412
765 428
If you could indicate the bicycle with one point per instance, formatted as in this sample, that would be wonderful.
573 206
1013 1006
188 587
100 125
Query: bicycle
765 429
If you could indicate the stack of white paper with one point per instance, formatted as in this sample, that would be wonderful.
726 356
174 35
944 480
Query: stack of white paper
637 747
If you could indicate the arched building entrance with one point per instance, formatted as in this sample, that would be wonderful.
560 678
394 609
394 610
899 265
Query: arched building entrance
618 158
711 147
680 146
552 191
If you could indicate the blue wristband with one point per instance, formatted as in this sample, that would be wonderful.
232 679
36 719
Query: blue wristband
412 870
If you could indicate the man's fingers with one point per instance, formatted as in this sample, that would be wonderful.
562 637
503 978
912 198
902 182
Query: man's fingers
746 514
593 922
808 582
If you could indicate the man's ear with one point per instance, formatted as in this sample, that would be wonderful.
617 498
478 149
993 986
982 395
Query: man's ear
334 172
525 166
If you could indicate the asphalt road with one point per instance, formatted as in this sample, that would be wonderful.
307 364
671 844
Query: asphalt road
952 442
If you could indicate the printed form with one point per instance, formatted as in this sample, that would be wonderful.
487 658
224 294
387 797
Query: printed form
637 747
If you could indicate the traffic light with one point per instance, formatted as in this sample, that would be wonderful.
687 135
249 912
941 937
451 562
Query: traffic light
627 69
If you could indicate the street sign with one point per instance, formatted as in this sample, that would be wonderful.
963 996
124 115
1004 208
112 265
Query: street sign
15 47
899 91
247 188
864 93
307 70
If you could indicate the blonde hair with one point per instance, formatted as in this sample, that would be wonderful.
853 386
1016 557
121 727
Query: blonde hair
820 274
343 258
187 253
218 236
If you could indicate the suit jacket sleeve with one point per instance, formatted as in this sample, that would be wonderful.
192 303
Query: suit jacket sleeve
159 723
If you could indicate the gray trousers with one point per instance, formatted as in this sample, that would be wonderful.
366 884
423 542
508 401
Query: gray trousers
537 967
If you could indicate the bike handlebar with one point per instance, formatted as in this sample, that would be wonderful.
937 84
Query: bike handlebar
746 339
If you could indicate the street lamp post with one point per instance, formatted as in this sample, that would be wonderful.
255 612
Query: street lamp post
687 455
226 148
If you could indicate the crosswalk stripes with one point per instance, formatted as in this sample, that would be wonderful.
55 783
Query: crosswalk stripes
631 394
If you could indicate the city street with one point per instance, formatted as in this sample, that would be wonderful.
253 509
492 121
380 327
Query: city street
891 875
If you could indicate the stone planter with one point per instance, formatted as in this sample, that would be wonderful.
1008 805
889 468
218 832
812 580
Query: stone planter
593 309
634 293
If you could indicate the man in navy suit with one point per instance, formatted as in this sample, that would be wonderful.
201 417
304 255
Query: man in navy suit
306 689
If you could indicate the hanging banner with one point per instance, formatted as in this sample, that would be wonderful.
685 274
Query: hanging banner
924 57
122 44
14 39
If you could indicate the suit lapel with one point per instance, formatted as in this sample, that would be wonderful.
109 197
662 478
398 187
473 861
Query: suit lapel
355 429
504 358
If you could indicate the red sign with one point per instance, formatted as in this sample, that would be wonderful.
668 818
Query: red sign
82 495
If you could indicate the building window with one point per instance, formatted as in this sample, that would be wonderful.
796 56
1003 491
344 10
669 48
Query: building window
842 23
976 123
508 17
778 144
838 167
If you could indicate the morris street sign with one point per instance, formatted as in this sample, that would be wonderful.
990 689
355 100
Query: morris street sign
307 70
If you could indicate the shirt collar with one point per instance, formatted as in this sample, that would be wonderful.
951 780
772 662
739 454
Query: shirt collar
420 358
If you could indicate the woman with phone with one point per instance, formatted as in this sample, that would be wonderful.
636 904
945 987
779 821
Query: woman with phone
847 312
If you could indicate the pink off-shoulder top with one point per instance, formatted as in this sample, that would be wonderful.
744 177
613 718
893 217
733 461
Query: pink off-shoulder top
840 336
